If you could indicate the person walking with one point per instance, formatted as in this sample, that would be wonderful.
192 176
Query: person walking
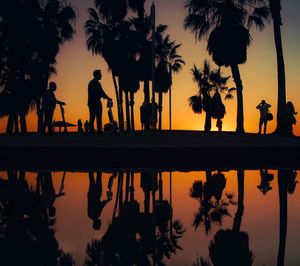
95 93
48 106
263 107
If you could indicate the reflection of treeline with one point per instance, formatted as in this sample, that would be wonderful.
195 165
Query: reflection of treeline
27 235
136 237
231 246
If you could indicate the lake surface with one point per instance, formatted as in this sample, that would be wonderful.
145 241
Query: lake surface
142 217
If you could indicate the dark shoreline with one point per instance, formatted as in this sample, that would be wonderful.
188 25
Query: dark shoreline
179 150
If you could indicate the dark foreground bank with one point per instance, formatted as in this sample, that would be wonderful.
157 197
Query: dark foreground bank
179 150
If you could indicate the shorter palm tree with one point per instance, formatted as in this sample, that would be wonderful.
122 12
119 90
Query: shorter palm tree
169 62
210 84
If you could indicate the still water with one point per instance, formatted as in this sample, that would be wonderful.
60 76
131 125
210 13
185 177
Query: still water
236 217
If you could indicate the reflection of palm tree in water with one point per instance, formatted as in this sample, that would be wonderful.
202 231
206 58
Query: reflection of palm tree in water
231 247
95 204
265 182
286 184
131 237
212 207
27 236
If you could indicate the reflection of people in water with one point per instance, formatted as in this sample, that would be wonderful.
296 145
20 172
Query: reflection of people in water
48 194
265 182
95 204
291 176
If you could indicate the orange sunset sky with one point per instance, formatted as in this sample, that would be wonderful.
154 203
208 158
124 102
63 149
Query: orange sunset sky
75 65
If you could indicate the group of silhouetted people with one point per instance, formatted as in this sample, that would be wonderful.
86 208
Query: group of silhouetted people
96 93
266 115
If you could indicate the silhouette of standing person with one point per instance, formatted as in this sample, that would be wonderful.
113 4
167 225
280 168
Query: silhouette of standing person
48 106
263 107
95 204
291 120
79 126
95 93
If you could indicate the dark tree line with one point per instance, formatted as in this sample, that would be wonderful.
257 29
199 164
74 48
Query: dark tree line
32 32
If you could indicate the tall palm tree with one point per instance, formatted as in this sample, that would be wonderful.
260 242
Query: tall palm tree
103 32
169 62
275 8
224 23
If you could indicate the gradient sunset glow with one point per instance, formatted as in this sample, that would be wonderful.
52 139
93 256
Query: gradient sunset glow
75 65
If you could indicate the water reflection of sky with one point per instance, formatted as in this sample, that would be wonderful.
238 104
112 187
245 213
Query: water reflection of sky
260 219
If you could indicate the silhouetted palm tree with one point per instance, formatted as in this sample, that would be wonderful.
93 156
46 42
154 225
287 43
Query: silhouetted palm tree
210 84
275 8
231 247
169 62
228 38
103 32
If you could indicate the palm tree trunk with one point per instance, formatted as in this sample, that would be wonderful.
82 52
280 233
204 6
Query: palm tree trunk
12 116
160 187
146 91
119 104
283 216
281 106
16 124
39 115
132 110
207 125
23 123
239 91
240 210
170 99
160 103
127 111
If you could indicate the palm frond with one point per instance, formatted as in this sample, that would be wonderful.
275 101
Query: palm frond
196 103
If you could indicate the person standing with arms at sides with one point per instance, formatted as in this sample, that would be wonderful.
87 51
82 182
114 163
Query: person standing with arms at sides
95 93
263 107
48 106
